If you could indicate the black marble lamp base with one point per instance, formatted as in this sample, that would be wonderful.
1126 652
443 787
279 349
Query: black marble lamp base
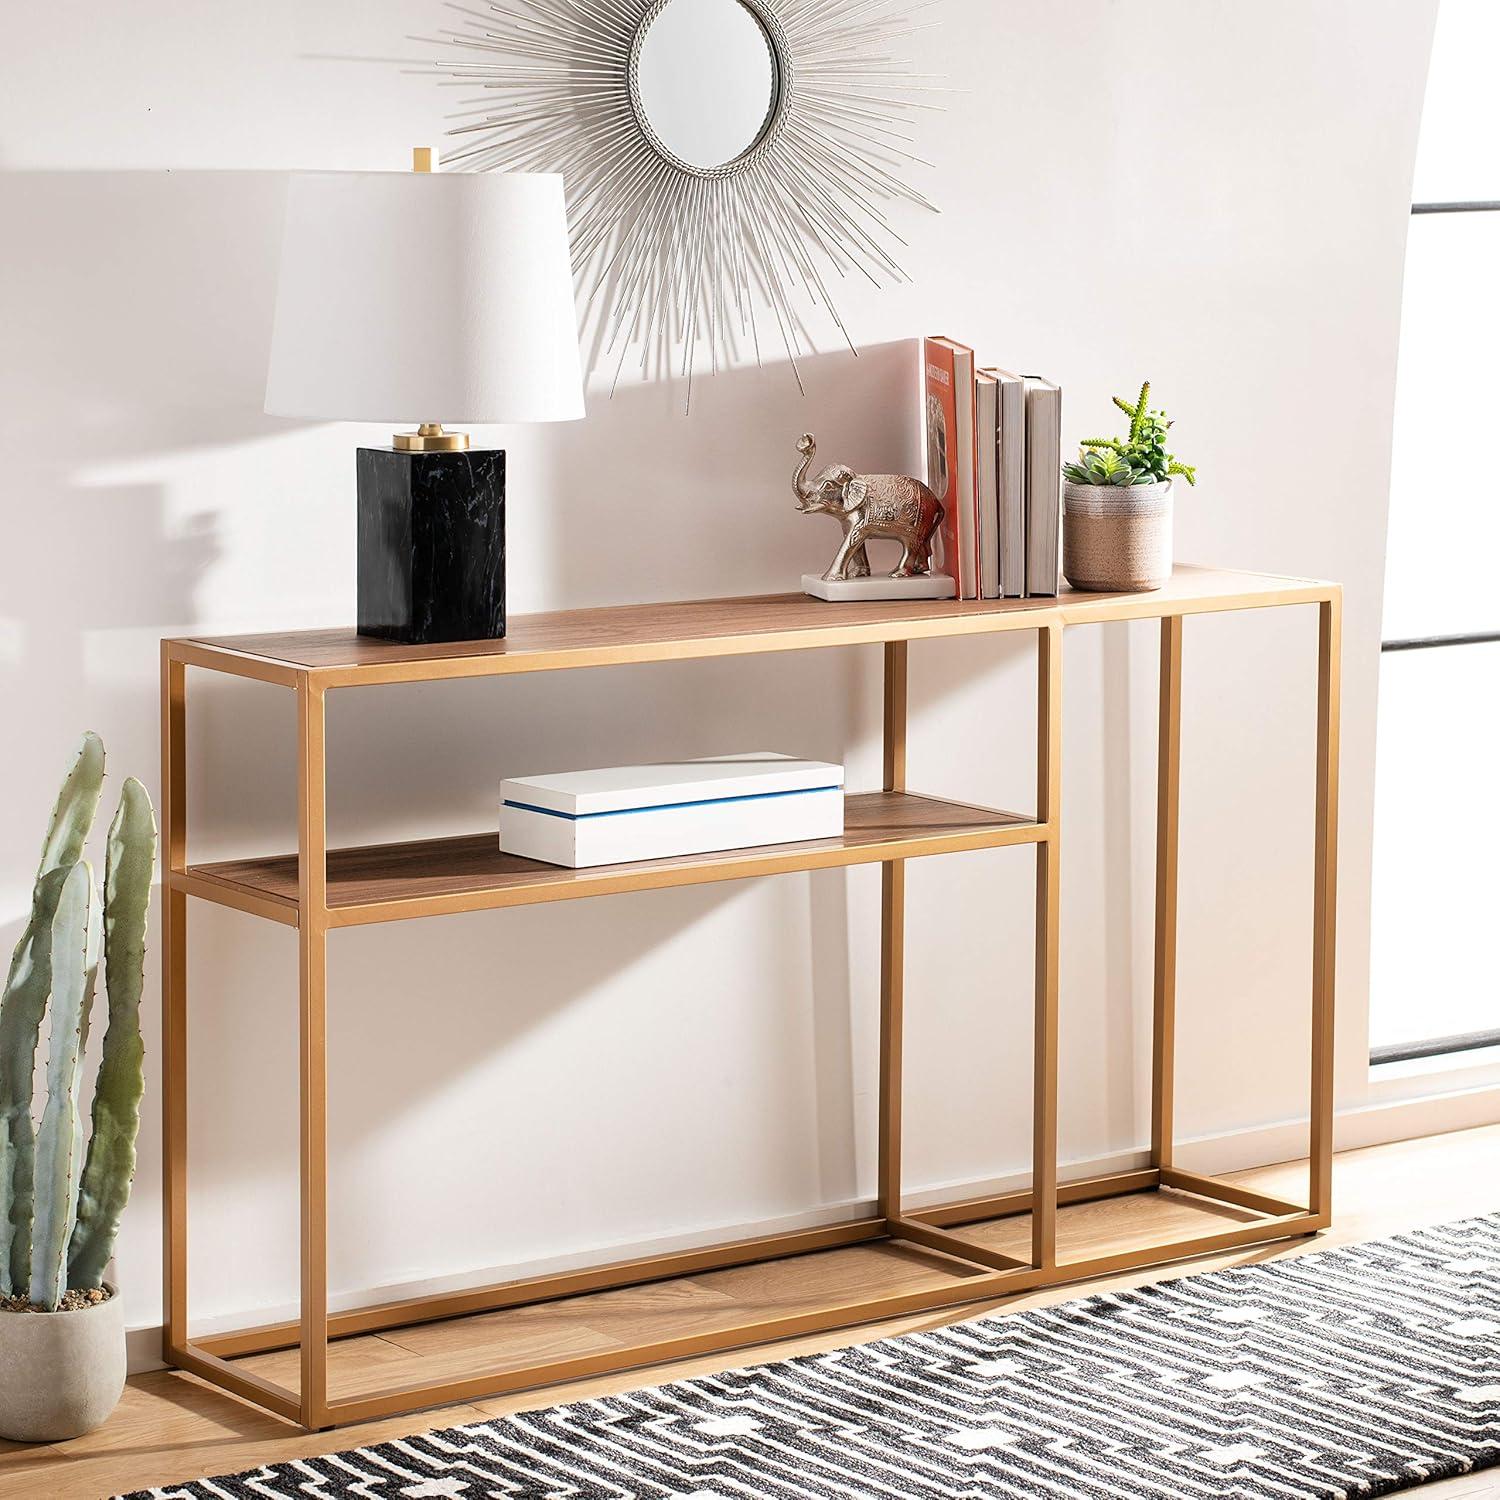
431 545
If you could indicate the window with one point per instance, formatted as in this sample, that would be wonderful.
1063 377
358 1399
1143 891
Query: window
1435 960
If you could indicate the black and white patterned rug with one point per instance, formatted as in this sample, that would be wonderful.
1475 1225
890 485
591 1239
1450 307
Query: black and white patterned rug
1349 1372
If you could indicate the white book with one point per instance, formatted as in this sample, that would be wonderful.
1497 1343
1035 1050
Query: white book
1043 485
624 813
987 447
1010 482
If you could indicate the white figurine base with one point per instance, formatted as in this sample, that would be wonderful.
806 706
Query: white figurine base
844 590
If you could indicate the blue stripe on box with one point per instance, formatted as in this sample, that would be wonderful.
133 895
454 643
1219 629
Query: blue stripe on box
622 812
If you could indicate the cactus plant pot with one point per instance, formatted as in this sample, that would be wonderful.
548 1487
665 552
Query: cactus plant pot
61 1373
1117 538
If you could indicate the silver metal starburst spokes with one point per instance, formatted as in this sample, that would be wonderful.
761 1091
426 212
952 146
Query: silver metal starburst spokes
678 263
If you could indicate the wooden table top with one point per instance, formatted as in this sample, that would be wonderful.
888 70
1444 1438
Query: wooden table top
719 627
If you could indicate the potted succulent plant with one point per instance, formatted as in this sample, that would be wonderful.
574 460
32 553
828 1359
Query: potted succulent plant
62 1326
1117 505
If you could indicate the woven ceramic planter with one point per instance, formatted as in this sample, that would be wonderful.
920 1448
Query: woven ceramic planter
1117 539
61 1373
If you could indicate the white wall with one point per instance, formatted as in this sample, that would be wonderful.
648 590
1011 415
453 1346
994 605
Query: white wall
1206 192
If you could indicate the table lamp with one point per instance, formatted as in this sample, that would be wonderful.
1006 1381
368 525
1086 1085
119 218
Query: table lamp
436 298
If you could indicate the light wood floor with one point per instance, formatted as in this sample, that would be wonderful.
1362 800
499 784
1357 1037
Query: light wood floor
171 1427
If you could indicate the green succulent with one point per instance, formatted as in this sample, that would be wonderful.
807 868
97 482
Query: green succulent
1141 456
1104 466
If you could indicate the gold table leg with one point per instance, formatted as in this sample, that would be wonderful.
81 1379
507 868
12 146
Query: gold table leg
1044 1080
312 947
1325 892
174 1086
1168 781
892 947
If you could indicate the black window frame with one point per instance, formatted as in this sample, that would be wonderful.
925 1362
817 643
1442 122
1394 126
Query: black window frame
1468 1041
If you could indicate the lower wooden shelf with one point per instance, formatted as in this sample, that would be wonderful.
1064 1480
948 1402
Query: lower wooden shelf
517 1335
395 882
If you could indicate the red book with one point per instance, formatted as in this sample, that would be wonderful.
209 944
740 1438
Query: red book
948 385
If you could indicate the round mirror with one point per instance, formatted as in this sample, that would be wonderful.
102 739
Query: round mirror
706 82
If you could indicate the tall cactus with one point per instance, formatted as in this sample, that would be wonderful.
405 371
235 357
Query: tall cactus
60 1207
25 999
110 1167
59 1142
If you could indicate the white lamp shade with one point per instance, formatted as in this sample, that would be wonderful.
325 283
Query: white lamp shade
425 297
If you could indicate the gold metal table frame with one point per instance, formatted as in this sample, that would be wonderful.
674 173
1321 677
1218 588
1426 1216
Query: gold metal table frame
318 889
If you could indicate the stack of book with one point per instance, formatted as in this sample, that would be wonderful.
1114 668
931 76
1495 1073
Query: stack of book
994 458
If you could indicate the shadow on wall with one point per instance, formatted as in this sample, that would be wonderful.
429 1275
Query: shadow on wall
646 503
135 307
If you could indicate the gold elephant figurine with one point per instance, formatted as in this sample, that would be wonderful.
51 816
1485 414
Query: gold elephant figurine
869 507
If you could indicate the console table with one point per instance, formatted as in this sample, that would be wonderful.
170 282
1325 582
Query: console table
317 889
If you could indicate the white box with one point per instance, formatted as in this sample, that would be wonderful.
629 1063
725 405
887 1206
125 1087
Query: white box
623 813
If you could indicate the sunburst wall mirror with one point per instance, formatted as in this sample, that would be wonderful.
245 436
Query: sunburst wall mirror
728 162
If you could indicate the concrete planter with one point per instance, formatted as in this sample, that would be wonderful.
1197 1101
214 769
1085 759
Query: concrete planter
61 1374
1117 538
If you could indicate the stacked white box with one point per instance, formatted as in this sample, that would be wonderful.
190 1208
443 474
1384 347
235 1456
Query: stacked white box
625 813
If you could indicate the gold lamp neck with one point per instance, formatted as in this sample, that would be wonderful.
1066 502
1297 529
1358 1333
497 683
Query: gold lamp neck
430 438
